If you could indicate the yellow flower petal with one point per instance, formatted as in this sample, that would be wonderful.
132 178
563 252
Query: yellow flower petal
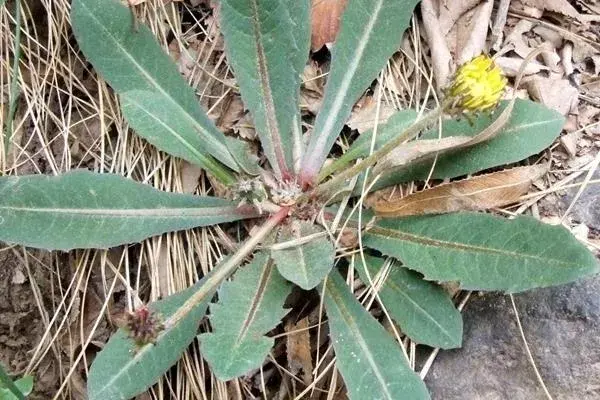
478 85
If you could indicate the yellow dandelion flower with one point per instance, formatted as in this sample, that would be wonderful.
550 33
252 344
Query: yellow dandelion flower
478 85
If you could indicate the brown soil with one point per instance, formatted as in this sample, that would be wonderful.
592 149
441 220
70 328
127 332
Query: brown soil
21 326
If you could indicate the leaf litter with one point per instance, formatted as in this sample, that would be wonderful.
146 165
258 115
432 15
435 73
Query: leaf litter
217 95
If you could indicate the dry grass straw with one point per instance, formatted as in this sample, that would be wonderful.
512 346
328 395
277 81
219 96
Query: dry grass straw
68 118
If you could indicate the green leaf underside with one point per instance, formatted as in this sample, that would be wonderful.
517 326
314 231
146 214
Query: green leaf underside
484 252
120 371
24 384
423 309
371 31
369 359
156 100
530 129
308 264
263 53
249 307
82 209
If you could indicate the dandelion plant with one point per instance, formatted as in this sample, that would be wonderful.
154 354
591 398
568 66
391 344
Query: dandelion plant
314 220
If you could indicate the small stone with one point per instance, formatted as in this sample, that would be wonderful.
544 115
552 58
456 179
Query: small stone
569 143
18 277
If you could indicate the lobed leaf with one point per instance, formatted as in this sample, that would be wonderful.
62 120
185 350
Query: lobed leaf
121 370
484 252
156 100
304 263
423 309
262 49
249 306
371 31
82 209
368 358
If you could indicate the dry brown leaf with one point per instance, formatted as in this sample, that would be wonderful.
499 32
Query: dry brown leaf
363 116
557 94
441 59
510 66
418 149
472 32
190 177
569 142
245 128
450 12
557 6
326 15
230 113
479 193
516 39
298 349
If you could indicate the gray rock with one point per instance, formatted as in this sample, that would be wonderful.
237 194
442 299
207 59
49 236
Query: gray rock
562 329
587 208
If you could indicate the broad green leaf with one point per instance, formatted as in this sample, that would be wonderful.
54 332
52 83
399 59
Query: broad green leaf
531 128
371 31
300 10
82 209
14 390
249 307
156 100
25 385
369 359
262 50
121 370
423 309
303 255
484 252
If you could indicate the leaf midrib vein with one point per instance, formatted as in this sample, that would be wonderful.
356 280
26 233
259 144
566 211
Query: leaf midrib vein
360 340
154 83
267 94
391 233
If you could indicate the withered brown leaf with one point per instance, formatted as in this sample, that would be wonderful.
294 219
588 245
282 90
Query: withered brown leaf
478 193
298 349
326 15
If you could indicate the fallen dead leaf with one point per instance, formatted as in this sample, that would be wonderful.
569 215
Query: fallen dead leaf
557 94
190 177
479 193
472 30
569 142
245 128
298 349
326 15
364 114
312 89
510 66
557 6
441 59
